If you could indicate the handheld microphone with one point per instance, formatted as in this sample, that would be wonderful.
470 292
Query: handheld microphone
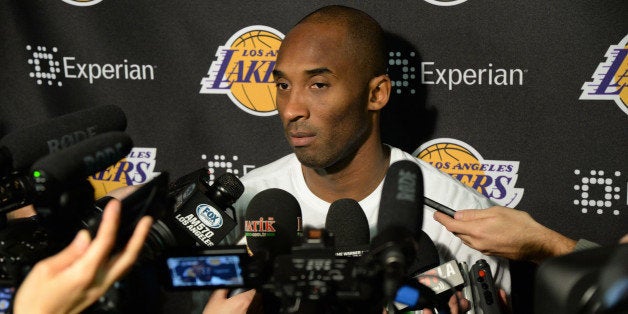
21 148
347 223
203 213
272 222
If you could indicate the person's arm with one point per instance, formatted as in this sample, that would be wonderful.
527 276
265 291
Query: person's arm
74 278
506 232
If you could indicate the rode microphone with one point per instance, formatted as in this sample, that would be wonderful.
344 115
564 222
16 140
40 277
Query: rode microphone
348 225
60 172
400 217
21 148
401 203
272 223
203 213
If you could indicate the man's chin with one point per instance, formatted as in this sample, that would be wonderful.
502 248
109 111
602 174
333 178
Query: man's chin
309 159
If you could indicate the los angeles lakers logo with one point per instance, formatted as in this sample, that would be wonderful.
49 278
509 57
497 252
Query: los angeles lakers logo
610 78
136 168
243 70
495 179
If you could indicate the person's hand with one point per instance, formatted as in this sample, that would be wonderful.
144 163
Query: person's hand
457 304
506 232
220 303
74 278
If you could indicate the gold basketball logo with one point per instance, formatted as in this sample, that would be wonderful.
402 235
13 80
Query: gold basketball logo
495 179
243 70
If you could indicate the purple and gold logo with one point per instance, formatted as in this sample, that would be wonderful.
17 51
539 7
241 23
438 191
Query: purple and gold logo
611 77
243 70
136 168
495 179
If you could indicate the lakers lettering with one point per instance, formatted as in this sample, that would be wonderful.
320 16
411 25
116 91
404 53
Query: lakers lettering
259 53
494 188
125 171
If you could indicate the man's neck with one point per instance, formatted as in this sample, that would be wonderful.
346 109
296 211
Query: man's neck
356 180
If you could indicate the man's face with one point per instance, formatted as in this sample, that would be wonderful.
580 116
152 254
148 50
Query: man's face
322 95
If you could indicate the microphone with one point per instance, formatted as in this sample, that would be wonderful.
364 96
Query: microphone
401 202
60 172
272 222
400 217
20 149
347 223
82 160
203 213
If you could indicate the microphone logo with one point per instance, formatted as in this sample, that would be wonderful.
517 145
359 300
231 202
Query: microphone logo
260 228
407 186
209 216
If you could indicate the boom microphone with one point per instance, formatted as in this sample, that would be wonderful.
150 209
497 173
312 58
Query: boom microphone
401 203
272 222
21 148
347 222
62 171
82 160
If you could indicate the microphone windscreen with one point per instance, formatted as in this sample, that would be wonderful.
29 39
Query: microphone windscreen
272 222
28 144
85 158
347 222
401 203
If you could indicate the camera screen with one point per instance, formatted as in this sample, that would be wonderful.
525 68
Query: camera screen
205 271
6 295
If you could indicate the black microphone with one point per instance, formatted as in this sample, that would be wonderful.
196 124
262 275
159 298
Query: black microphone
400 217
53 174
82 160
272 223
401 203
203 212
21 148
347 223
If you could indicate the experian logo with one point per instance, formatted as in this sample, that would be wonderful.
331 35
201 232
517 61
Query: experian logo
49 71
432 75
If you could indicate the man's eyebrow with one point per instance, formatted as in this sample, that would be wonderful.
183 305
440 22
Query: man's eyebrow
277 73
318 71
312 72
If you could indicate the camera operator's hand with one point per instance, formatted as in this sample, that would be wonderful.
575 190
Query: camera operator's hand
71 280
506 232
220 303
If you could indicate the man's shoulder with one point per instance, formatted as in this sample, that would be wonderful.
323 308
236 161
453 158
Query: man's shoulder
442 187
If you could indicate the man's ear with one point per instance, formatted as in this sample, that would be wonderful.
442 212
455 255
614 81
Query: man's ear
379 92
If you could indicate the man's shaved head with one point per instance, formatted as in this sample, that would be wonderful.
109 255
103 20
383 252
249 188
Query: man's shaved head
365 37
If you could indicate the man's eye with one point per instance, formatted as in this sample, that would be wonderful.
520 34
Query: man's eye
319 85
281 85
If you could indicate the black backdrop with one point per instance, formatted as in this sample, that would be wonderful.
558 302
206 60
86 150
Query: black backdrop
549 109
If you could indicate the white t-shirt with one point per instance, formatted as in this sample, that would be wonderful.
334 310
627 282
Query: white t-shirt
285 173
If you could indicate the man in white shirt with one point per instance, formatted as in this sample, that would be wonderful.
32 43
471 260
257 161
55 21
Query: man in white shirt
331 85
